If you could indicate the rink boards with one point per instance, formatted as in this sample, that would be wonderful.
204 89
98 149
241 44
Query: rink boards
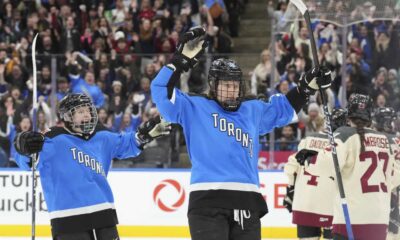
149 202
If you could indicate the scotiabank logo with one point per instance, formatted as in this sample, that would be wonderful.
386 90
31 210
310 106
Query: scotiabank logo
169 195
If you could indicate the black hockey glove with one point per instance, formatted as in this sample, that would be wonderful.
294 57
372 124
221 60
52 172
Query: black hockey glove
288 200
304 156
315 79
27 143
152 129
190 47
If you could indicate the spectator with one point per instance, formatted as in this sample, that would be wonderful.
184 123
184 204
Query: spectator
16 94
394 84
24 125
104 119
62 88
87 40
150 71
287 142
217 11
146 40
86 85
17 77
100 35
119 13
44 120
313 120
381 86
380 101
221 42
129 123
385 49
44 81
70 38
146 12
46 50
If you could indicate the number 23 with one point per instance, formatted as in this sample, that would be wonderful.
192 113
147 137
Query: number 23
375 158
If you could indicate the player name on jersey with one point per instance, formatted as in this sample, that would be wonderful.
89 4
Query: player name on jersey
376 142
318 144
224 126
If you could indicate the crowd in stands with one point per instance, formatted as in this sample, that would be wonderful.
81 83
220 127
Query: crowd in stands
371 64
111 50
108 49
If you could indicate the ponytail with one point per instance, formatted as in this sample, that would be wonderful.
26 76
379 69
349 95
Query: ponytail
360 128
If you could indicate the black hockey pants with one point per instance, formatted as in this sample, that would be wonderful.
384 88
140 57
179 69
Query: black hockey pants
110 233
224 224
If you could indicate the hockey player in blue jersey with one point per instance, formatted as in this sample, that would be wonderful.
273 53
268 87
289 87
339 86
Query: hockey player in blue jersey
222 132
74 161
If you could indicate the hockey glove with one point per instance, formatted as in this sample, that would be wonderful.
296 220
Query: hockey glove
153 128
27 143
315 79
190 47
304 156
288 200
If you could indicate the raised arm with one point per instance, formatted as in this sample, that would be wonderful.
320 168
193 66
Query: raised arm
309 83
169 100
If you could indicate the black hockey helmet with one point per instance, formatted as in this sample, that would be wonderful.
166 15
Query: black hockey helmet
339 118
225 70
383 119
69 105
359 106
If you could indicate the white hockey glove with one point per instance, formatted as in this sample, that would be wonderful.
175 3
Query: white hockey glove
153 128
315 79
190 47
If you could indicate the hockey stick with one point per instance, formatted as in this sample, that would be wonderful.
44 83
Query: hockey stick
394 222
34 128
304 11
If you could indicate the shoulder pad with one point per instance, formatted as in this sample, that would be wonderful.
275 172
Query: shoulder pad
198 95
318 135
249 97
343 133
392 138
100 127
55 131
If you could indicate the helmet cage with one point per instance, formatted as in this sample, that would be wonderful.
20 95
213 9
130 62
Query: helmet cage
70 105
360 107
384 119
226 70
87 127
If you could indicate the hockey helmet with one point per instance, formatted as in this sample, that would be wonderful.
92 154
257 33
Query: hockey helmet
74 103
226 70
339 118
384 119
359 106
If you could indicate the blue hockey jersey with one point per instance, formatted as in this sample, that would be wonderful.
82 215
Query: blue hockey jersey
223 146
73 173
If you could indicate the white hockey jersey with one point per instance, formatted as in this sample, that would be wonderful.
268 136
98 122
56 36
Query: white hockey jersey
368 179
313 195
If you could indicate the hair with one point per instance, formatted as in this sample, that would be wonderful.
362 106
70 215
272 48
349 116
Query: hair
360 128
